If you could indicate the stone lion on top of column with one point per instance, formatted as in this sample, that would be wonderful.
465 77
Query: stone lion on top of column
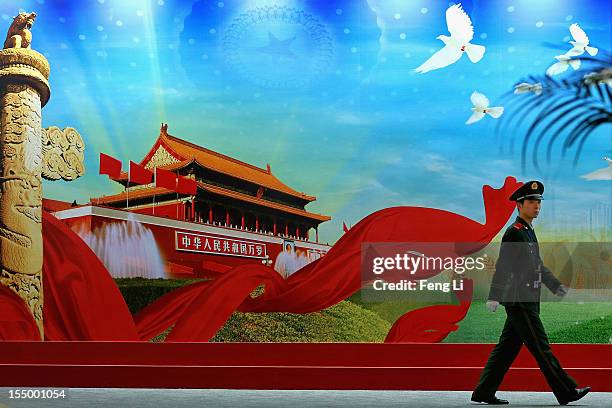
19 35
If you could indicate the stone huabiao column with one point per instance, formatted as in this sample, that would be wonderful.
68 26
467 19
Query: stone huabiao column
24 90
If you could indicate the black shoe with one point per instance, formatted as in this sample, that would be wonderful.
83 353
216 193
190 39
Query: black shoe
580 392
489 400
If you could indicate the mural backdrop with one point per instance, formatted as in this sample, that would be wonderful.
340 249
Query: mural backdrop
326 92
364 104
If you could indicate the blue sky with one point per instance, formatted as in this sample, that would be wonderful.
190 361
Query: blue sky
324 91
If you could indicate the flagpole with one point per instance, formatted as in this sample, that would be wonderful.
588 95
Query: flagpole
193 217
127 189
154 186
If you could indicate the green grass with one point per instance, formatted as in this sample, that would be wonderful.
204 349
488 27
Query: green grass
139 292
358 320
389 310
564 322
343 322
165 283
597 330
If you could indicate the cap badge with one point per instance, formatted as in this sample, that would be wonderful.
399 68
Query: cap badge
534 186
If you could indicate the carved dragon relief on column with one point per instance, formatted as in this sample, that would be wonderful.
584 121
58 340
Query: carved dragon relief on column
21 194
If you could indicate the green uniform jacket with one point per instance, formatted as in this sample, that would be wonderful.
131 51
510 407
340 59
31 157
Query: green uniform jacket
519 270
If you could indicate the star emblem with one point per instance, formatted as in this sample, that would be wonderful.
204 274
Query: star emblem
279 48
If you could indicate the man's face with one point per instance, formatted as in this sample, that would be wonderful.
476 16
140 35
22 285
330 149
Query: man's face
530 208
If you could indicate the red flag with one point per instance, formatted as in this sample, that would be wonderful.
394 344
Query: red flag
139 175
165 178
110 166
344 227
186 186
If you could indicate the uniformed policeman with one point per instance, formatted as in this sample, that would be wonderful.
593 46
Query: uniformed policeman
519 274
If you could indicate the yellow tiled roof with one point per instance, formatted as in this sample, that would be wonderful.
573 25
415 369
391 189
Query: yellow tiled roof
151 191
223 164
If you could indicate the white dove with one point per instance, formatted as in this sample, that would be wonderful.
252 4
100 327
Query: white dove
601 174
580 43
563 61
461 31
481 107
525 87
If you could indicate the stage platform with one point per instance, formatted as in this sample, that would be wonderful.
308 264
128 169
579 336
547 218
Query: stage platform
321 366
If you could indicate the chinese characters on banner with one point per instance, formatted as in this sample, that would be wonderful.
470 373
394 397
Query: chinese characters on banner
218 245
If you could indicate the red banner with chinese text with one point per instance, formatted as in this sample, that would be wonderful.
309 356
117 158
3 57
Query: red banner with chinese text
219 245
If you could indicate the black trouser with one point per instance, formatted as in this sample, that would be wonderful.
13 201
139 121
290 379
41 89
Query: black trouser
523 326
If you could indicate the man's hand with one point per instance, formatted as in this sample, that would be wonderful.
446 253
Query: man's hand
562 291
492 305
